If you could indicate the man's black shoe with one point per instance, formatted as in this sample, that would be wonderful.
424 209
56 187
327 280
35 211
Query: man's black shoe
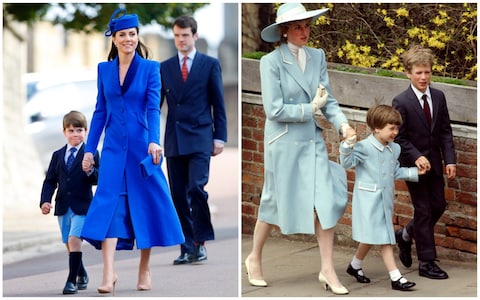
430 270
82 282
404 249
200 252
185 258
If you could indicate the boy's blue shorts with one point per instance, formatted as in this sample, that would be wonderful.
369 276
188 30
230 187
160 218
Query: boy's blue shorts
70 224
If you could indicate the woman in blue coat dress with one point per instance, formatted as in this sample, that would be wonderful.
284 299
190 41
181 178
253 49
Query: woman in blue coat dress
299 193
132 202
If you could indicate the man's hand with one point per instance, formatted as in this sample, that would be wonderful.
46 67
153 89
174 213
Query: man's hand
451 171
217 148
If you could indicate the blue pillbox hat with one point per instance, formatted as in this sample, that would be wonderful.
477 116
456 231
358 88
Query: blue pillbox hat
123 22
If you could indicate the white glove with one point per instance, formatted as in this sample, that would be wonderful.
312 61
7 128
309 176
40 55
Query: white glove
320 98
343 129
351 141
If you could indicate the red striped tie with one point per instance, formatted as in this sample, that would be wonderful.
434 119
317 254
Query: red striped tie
184 69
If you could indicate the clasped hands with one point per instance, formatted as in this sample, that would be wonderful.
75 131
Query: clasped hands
349 134
423 165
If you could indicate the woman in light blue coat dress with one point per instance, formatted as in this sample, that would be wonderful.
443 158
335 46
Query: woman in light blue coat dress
299 193
132 202
376 164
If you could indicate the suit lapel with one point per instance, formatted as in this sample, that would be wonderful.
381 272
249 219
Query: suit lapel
172 75
62 158
435 106
197 67
417 107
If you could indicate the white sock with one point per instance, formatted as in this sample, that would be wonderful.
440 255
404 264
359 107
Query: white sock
405 235
357 264
396 275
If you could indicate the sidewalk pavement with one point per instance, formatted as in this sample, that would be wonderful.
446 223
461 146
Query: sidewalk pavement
35 262
291 270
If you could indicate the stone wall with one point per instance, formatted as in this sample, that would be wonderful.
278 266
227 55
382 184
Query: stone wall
21 164
456 232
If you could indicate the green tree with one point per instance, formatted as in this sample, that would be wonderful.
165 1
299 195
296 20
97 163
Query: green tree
93 17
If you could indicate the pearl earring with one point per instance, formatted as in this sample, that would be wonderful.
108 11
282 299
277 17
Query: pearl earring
284 35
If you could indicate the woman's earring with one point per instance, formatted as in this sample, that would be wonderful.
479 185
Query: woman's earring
284 35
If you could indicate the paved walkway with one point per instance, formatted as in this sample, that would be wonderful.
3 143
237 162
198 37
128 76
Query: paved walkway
291 270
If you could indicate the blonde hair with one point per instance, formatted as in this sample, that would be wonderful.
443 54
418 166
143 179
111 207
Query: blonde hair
417 55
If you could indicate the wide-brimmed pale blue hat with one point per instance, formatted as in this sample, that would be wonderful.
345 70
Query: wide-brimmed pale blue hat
289 12
123 22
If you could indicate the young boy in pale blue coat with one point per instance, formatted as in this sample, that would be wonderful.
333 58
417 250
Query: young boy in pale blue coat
376 168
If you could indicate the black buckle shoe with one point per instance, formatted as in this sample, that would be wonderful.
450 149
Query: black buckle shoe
397 285
70 288
404 249
357 273
430 270
185 258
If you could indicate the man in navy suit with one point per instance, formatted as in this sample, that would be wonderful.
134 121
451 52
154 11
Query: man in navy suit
195 130
426 139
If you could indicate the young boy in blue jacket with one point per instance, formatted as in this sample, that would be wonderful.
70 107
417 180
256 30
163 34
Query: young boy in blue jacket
73 197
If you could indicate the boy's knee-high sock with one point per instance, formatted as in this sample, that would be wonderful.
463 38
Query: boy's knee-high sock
81 270
74 261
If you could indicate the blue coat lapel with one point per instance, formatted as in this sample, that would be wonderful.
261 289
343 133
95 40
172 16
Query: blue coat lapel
132 70
291 66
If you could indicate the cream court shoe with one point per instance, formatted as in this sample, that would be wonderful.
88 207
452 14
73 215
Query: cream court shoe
254 282
326 285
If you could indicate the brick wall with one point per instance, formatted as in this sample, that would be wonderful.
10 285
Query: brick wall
456 231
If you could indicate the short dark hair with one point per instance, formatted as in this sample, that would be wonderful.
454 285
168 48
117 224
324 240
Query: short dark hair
74 118
379 116
186 22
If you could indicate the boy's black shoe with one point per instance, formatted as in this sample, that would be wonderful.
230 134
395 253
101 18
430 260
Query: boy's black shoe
357 274
70 288
82 282
405 249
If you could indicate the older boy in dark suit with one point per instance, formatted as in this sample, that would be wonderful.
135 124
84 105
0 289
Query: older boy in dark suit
74 194
426 138
196 129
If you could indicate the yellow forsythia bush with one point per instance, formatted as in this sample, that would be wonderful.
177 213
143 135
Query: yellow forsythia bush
375 35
